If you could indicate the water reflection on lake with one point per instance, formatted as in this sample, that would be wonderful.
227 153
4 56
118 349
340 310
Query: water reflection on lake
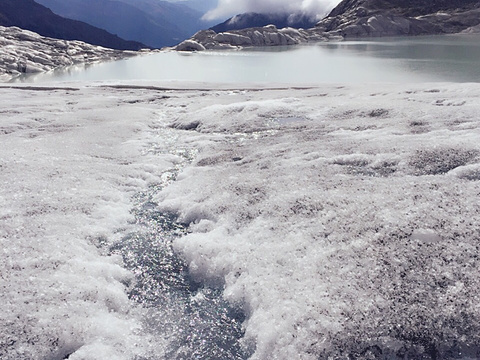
418 59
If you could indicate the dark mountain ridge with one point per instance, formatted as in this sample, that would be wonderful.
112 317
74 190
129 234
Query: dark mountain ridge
29 15
152 22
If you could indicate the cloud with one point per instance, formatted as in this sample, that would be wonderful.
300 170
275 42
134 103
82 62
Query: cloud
228 8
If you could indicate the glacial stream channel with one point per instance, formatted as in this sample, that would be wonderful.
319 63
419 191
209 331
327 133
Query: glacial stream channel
195 321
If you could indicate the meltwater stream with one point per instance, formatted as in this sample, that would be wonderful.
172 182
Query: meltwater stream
195 321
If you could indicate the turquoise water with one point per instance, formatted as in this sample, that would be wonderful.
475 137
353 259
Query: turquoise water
439 58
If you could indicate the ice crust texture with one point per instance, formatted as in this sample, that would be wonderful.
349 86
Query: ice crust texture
343 221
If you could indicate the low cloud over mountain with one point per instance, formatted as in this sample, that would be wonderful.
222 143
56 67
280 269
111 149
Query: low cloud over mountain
227 8
249 20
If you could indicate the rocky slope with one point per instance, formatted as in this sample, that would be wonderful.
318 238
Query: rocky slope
259 36
363 18
353 19
24 51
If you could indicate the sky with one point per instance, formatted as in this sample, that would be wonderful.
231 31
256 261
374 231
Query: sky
228 8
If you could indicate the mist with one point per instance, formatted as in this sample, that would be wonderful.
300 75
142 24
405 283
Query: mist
228 8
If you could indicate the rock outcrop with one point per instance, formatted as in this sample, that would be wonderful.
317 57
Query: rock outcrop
259 36
371 18
25 52
354 19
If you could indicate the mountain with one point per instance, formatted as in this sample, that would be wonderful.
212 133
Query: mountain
180 14
152 22
27 14
249 20
355 19
360 18
200 5
402 7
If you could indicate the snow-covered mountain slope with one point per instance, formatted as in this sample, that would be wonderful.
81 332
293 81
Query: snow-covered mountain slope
343 221
24 51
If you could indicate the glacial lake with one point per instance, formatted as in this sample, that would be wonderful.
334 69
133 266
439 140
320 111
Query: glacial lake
450 58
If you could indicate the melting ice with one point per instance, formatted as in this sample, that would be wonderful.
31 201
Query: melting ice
140 222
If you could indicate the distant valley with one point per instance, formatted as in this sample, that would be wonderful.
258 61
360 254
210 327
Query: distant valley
154 23
29 15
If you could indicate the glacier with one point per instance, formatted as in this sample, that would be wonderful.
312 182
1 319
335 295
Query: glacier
339 220
26 52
